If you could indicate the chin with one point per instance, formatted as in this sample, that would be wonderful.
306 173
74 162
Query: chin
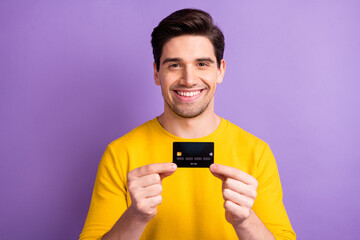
185 114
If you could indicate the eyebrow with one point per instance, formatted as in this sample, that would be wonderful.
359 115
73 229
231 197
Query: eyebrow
171 60
205 60
180 59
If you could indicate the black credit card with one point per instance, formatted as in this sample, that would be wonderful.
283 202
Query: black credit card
193 154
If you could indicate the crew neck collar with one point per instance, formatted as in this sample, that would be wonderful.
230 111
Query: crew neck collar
211 137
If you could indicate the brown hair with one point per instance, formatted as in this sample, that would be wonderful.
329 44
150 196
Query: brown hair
187 22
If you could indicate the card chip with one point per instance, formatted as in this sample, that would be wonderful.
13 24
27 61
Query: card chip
179 154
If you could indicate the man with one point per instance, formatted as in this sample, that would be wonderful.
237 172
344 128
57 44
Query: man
239 196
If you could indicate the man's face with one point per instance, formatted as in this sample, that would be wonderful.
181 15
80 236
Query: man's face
188 75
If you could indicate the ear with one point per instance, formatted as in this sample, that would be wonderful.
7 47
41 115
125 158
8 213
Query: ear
156 75
221 71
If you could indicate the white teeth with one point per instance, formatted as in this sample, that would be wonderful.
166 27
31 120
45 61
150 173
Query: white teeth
188 94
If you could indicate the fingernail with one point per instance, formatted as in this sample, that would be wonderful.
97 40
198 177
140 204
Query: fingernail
213 166
173 166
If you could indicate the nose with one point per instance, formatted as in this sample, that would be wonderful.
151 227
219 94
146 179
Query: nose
188 78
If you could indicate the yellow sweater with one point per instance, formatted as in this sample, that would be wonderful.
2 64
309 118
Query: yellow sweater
192 206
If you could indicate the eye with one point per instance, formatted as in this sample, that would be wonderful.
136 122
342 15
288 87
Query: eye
202 64
175 65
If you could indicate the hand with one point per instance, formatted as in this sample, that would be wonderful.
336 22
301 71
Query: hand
144 184
239 191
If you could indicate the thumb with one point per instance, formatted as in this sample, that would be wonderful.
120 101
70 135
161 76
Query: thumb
212 168
166 174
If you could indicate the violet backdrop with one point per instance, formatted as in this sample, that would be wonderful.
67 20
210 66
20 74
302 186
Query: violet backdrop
75 75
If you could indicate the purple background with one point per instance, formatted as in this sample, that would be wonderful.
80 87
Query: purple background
75 75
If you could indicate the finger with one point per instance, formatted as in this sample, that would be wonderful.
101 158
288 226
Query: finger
152 191
148 205
164 175
236 210
240 187
230 172
221 177
237 198
147 180
154 201
152 168
144 193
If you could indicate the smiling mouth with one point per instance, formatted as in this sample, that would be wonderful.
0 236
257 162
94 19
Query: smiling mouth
188 93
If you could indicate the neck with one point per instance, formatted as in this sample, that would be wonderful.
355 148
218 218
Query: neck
196 127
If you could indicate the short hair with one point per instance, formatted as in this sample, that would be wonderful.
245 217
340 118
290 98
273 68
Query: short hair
187 22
